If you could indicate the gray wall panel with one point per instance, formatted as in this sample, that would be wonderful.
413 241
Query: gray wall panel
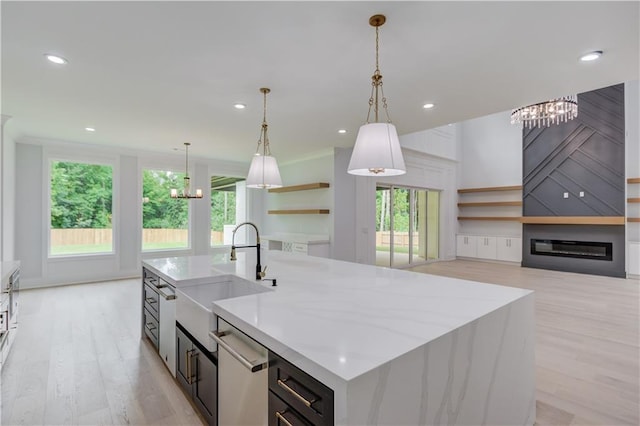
588 151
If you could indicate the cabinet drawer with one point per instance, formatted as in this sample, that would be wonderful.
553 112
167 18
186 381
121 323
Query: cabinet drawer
149 277
151 300
299 247
151 327
279 410
301 392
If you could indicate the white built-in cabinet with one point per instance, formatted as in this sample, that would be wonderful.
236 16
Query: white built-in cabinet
508 249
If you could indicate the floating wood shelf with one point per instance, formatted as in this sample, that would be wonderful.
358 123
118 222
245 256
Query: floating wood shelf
305 187
633 200
491 204
490 189
302 211
633 219
492 218
633 180
574 220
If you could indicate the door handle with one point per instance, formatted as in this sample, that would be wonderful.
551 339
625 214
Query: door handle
189 354
279 416
252 366
296 395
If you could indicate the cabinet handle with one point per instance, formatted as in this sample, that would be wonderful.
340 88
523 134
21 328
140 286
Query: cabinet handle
150 326
280 417
151 300
189 354
295 394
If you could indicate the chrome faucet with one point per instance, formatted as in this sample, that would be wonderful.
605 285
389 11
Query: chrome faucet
259 272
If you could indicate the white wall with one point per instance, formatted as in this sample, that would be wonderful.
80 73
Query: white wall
632 147
438 142
491 155
8 191
310 170
32 180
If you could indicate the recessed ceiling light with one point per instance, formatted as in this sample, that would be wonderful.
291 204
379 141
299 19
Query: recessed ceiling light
342 131
90 129
56 59
428 106
591 56
239 106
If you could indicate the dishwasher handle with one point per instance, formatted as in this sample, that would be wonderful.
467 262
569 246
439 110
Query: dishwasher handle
167 292
252 366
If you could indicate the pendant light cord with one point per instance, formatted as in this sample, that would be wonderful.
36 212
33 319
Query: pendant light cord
264 138
376 88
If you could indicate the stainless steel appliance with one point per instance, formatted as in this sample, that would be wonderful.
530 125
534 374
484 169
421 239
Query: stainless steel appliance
242 377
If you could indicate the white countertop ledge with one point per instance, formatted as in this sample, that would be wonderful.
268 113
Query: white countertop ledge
338 320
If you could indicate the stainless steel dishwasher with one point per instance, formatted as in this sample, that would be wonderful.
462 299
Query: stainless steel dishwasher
242 377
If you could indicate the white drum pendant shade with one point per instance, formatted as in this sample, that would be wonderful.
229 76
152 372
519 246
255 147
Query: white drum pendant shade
377 151
263 173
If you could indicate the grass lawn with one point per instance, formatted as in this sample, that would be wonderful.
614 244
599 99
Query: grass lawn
107 248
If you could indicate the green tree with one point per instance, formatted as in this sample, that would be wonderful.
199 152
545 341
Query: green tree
159 210
81 195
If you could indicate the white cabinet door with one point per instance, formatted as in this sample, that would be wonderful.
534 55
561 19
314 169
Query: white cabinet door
486 248
509 249
466 246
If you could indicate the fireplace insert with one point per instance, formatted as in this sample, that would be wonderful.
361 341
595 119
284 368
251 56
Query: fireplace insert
579 249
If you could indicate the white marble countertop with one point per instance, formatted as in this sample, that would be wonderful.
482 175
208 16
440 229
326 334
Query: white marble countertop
337 320
6 269
297 238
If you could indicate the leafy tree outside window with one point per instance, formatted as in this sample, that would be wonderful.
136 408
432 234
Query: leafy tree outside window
165 221
81 208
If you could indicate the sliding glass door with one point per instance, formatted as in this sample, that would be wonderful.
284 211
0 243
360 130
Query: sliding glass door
407 224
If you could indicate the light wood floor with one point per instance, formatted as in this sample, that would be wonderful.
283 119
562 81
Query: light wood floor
587 348
78 357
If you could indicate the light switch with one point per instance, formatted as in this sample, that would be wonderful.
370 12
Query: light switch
581 194
565 195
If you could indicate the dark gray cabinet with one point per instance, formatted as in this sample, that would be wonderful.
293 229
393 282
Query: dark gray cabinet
196 371
295 398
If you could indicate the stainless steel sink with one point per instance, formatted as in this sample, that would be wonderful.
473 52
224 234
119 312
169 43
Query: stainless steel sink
193 303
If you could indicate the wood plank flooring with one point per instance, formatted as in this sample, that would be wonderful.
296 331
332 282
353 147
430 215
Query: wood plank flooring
78 357
587 348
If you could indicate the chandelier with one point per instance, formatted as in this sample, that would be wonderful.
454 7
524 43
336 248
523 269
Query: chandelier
377 150
263 172
186 187
544 114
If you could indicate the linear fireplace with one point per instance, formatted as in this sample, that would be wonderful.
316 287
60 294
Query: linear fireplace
579 249
587 249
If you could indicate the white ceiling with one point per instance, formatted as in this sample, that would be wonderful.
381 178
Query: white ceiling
152 75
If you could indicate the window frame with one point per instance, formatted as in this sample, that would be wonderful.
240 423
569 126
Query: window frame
85 158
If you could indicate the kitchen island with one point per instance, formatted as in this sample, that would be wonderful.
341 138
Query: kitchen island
395 347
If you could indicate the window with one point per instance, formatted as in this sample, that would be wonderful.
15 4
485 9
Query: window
81 208
165 221
227 208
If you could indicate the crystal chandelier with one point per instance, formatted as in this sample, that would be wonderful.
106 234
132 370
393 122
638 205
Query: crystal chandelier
186 188
377 150
544 114
263 172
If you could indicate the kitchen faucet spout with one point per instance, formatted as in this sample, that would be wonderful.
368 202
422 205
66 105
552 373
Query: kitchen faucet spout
259 273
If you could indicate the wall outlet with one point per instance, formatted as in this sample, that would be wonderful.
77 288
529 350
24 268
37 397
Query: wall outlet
581 194
565 195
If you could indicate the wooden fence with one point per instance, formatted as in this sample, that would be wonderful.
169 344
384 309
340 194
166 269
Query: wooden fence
400 239
90 236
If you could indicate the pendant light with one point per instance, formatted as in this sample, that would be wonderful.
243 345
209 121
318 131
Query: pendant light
377 150
186 188
544 114
263 172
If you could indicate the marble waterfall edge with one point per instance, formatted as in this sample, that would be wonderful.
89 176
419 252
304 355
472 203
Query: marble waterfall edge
487 378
